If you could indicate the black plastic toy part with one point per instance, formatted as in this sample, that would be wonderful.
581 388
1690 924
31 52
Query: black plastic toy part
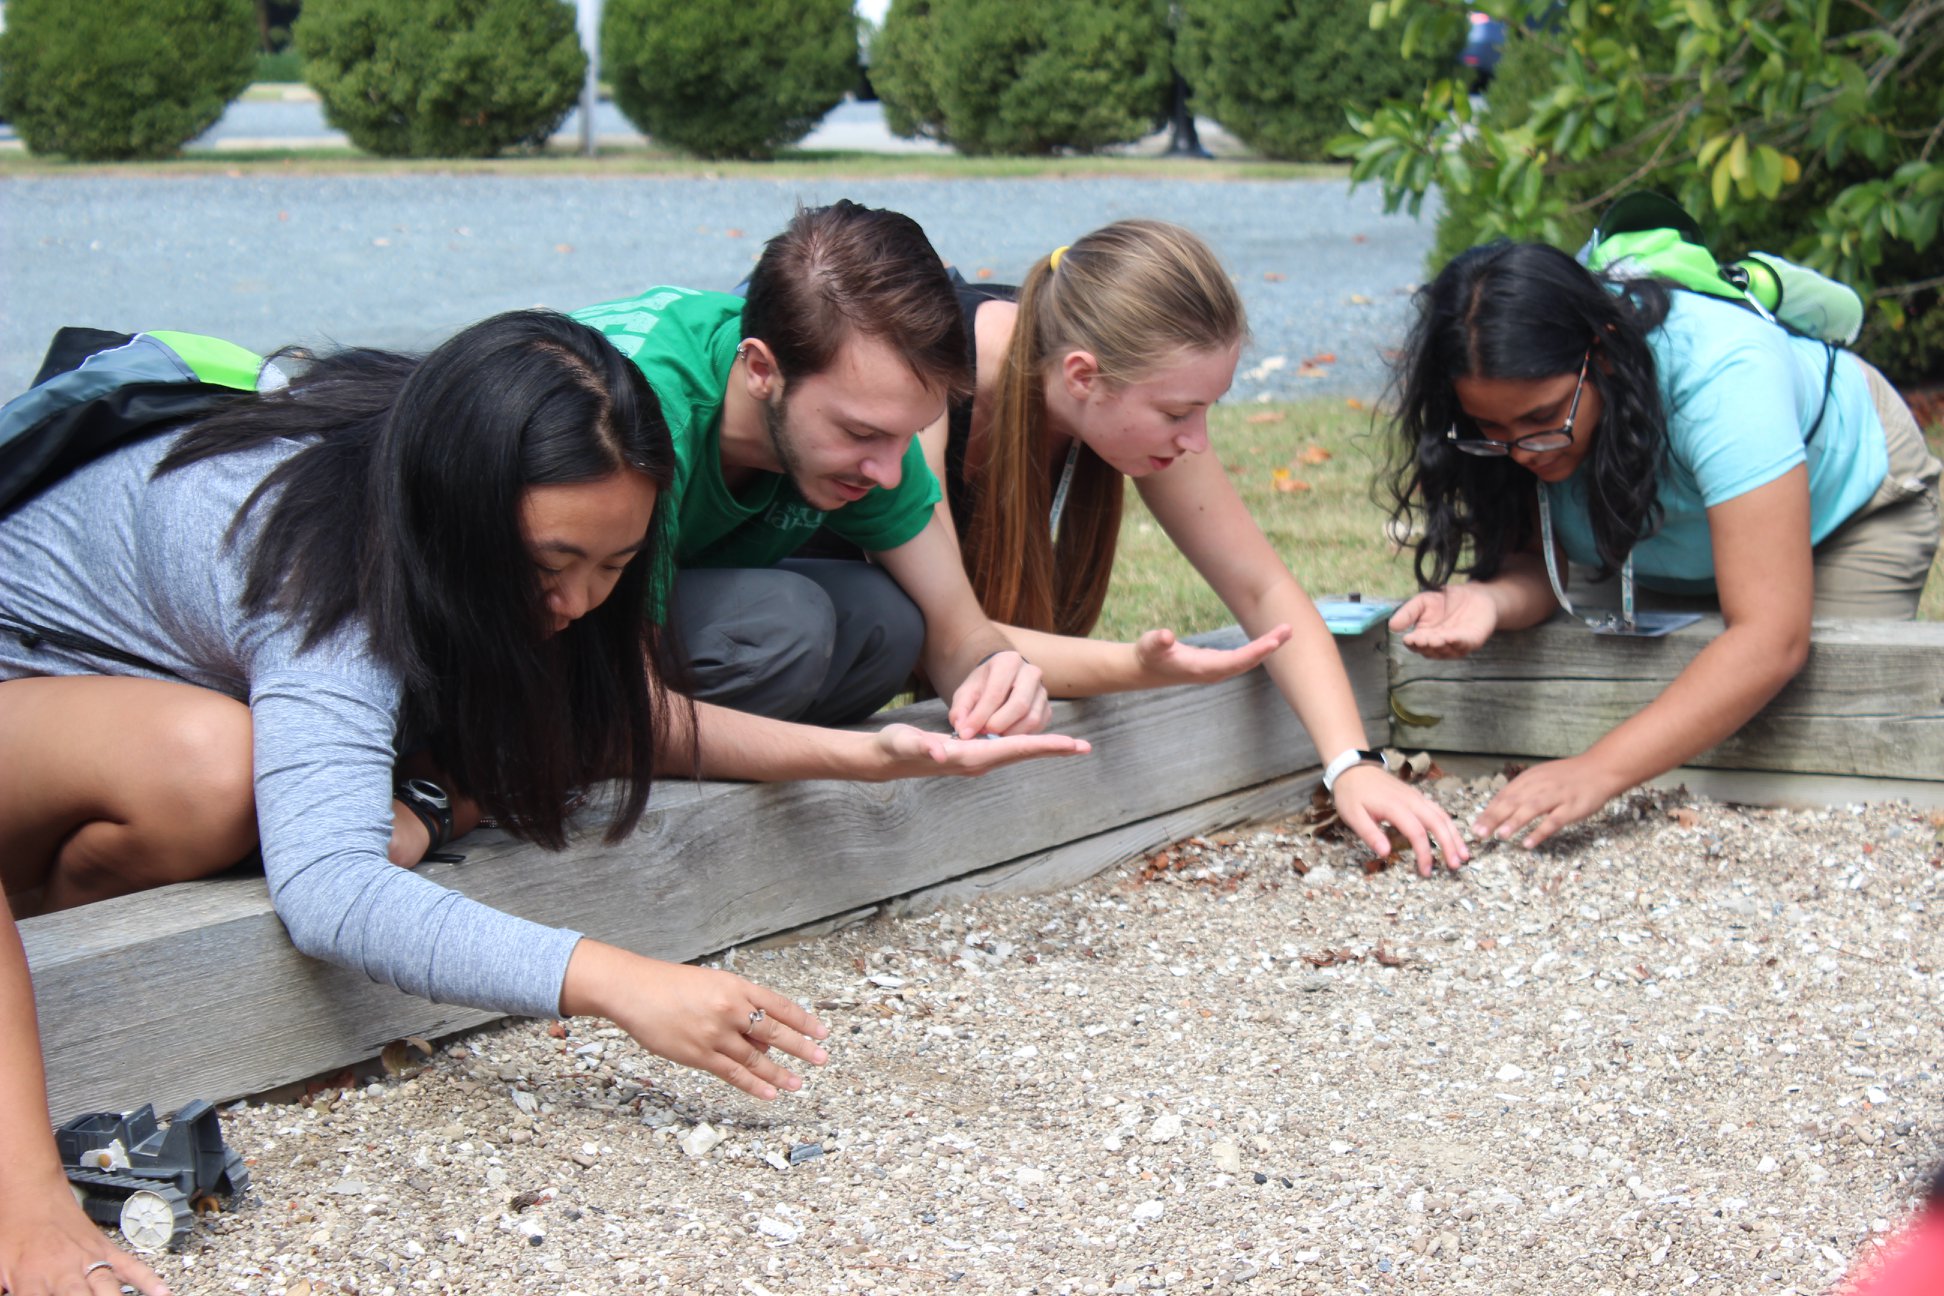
170 1170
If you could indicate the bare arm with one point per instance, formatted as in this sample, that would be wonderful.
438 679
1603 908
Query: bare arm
1197 506
1765 575
966 657
46 1243
736 745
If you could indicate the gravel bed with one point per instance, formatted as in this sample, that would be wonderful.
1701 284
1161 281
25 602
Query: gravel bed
1690 1047
402 261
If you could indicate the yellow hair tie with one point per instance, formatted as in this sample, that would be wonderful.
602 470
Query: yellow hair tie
1053 262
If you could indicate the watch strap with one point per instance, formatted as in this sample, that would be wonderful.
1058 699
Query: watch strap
433 808
1348 760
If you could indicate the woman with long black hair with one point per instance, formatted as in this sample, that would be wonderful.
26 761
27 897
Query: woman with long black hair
1672 439
390 554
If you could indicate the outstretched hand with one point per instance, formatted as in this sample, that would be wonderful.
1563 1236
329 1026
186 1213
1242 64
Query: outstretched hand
1557 794
47 1247
1165 660
910 752
1368 796
700 1017
1448 622
1004 694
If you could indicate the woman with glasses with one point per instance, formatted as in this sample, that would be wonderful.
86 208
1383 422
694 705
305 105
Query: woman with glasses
1673 443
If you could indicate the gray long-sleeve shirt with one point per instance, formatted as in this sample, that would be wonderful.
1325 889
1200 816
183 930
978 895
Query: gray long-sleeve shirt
144 566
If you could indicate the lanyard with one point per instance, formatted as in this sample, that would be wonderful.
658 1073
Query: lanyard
1060 492
1625 621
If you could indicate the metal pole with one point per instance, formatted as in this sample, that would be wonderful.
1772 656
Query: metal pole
589 14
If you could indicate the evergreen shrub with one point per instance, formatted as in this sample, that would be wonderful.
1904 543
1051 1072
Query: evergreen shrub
996 76
442 78
100 81
735 80
1278 74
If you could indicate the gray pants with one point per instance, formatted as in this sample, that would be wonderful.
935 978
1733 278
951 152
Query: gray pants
822 641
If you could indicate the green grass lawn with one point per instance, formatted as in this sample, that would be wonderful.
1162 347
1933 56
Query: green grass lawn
1331 535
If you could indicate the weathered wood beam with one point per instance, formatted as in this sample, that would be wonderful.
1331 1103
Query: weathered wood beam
1870 702
195 991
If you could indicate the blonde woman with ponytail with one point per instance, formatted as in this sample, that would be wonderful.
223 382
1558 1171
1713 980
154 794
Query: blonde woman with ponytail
1101 367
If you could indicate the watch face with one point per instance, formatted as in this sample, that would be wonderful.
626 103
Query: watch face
429 792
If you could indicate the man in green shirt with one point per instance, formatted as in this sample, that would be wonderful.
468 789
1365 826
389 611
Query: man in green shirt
798 409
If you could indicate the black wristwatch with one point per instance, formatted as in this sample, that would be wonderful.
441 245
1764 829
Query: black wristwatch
430 803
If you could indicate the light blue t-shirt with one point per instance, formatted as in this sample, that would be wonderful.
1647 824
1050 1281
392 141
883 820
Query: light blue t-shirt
1741 396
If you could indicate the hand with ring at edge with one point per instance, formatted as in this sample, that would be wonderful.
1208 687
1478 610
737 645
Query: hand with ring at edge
705 1018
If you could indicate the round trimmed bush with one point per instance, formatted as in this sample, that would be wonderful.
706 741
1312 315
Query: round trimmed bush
442 78
997 76
903 71
736 80
97 80
1277 74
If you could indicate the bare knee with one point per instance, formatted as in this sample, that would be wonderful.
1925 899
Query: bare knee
189 813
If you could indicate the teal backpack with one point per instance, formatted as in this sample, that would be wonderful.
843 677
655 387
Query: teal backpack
98 390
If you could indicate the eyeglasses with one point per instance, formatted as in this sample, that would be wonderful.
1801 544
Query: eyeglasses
1537 442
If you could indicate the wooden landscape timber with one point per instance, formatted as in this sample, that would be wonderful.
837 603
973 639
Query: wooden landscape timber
194 991
1869 703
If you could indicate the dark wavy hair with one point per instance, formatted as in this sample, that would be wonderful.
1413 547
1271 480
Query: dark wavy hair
402 513
1524 311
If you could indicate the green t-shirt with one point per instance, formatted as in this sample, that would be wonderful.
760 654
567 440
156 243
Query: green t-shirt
685 342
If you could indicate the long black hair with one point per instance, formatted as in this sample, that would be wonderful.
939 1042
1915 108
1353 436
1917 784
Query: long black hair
402 513
1524 311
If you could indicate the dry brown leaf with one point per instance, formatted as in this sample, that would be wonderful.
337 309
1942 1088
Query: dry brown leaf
558 1030
1267 416
1314 454
1685 816
1289 485
1353 403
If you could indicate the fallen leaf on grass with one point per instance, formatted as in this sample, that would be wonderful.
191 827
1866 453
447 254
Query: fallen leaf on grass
1314 454
1267 416
1354 403
1287 484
